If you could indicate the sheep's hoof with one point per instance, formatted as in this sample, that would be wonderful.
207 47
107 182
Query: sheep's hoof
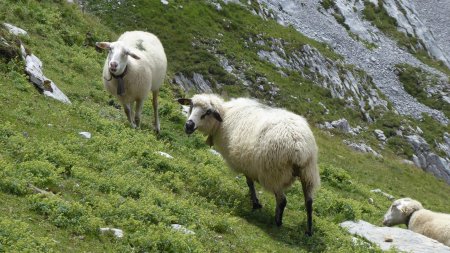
308 233
257 206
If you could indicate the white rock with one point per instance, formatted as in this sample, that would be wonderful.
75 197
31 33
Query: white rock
117 232
86 135
212 151
387 195
380 135
15 30
33 68
165 2
401 239
165 154
182 229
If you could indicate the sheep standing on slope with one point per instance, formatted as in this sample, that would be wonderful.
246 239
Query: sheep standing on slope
136 64
271 146
411 213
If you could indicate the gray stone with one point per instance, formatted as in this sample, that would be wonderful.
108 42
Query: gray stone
380 135
342 124
361 147
165 154
182 229
387 195
116 232
197 82
401 239
427 160
33 68
86 135
15 30
212 151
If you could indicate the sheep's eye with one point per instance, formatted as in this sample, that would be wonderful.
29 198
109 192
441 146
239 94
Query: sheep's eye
208 112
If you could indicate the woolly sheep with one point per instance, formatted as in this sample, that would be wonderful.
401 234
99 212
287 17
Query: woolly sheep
130 79
411 213
271 146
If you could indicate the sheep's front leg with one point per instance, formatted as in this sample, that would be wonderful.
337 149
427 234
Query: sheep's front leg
137 116
128 111
255 201
155 111
281 204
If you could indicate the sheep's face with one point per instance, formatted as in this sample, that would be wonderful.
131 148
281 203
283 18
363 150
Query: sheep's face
202 116
400 210
117 56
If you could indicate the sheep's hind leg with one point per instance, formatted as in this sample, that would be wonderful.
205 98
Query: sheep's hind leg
309 205
255 201
155 111
281 204
137 116
129 112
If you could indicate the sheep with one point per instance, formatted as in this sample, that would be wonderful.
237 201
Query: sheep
428 223
136 64
270 146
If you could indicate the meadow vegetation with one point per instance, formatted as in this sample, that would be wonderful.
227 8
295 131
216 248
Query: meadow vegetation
118 177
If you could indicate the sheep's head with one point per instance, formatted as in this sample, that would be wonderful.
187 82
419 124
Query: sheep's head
400 211
204 113
117 57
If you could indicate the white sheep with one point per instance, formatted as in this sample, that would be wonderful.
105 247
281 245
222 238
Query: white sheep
428 223
271 146
130 79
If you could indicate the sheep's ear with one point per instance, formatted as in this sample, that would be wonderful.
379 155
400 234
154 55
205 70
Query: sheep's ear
133 55
103 45
217 116
185 101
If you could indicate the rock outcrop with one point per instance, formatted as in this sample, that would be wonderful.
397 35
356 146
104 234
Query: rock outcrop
388 238
428 160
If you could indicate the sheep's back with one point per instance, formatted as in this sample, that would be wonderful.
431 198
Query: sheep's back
264 142
431 224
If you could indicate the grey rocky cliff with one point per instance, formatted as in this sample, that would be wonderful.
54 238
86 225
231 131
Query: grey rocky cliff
429 161
350 85
310 19
435 15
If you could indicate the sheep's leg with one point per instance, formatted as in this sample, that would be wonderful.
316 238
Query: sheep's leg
309 204
155 111
281 204
129 112
255 201
138 112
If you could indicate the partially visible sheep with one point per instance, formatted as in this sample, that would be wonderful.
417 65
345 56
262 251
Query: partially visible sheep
271 146
136 64
410 212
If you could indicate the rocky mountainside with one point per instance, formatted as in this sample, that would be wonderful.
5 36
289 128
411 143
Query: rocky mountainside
374 60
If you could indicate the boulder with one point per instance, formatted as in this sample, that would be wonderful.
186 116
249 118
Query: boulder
390 238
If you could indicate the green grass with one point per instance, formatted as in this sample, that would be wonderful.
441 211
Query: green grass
118 179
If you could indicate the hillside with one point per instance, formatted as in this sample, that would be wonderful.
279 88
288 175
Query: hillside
118 178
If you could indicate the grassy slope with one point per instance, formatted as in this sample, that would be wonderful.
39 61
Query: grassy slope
117 178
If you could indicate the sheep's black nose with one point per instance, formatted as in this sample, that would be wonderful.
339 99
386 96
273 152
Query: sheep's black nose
189 127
